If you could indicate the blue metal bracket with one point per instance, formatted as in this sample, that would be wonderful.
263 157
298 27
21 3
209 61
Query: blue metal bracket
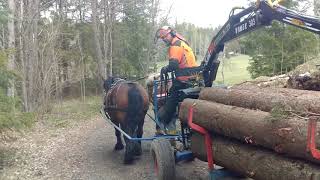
184 156
217 174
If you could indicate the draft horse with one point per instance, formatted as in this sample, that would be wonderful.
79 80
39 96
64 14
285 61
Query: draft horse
127 104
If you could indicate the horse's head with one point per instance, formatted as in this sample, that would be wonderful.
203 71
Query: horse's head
149 81
108 83
160 90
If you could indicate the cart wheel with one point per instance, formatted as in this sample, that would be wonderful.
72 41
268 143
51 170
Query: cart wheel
163 159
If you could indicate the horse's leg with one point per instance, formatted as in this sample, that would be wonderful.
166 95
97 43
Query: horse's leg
138 149
119 145
128 155
133 118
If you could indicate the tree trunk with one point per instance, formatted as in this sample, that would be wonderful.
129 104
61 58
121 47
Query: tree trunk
112 18
2 42
254 162
285 135
101 65
22 59
222 69
282 51
31 57
316 7
264 99
302 94
111 51
106 29
11 45
83 77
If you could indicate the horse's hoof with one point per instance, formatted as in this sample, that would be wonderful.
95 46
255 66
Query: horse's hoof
118 147
138 151
128 160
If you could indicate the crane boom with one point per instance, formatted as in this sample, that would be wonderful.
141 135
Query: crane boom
247 20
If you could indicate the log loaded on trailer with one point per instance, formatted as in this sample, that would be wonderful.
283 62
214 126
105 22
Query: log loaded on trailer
252 132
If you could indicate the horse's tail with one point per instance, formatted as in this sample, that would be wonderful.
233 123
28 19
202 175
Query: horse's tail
135 104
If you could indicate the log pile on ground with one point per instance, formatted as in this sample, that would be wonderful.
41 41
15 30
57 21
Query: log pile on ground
266 128
305 76
305 81
264 81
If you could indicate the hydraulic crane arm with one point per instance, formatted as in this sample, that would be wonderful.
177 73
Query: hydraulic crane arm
249 19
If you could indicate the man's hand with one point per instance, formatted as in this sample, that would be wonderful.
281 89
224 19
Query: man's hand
164 70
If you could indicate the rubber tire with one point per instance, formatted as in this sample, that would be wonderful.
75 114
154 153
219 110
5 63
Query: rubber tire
163 158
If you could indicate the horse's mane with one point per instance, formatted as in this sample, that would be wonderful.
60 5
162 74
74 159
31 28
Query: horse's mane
111 81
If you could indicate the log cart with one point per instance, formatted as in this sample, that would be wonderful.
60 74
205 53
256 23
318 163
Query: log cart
215 143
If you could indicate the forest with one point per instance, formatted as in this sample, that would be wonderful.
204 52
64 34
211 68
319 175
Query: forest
55 49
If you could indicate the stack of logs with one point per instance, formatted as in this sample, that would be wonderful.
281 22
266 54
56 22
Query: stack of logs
257 132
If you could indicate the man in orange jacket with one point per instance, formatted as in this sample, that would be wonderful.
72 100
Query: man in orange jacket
181 56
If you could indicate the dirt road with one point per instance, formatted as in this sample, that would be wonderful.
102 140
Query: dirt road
84 150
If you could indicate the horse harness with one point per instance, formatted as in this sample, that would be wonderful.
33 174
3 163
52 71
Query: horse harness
111 103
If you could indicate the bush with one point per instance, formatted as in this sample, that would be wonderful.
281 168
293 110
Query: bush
11 116
16 121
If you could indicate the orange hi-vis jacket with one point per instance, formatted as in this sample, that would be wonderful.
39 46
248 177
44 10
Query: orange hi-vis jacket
181 56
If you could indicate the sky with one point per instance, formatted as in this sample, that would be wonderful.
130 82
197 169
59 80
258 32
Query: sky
202 13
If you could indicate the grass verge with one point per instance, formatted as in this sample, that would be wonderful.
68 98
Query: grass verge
73 110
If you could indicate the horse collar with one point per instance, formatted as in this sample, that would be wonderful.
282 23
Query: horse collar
111 99
113 85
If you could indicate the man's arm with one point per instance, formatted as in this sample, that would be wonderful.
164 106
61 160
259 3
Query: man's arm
175 56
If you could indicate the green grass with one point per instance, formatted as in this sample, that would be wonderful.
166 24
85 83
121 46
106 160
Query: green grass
60 116
64 113
16 121
11 117
234 69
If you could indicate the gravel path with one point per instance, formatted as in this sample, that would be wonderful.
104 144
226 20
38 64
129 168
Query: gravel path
84 150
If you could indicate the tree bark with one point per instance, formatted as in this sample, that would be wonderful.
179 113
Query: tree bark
264 99
111 52
112 19
22 59
11 45
285 135
106 29
151 45
31 56
2 42
101 65
316 7
254 162
82 66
